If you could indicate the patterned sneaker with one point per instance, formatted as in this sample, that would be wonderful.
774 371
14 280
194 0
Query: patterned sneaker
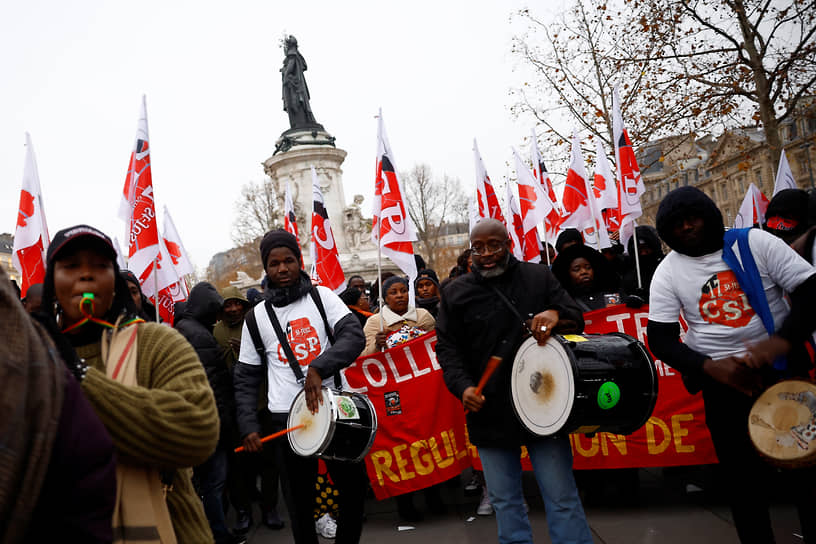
484 508
475 483
326 526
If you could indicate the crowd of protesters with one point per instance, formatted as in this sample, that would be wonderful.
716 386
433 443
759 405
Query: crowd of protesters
111 410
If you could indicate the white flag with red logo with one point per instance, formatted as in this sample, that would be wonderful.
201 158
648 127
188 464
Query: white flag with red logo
473 214
605 189
577 213
31 234
391 229
138 209
488 203
172 241
290 221
535 206
171 286
784 176
540 173
516 228
326 260
753 208
630 183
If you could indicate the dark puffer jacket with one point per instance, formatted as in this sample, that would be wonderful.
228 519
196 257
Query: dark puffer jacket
196 324
472 323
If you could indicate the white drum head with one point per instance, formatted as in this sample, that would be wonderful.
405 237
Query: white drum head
542 386
318 429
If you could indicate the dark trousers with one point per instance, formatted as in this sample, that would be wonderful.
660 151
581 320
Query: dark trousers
746 476
243 476
298 478
211 476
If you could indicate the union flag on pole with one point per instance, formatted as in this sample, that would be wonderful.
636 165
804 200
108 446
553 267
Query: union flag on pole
172 240
540 173
577 213
784 176
138 209
753 208
535 208
391 229
31 233
516 230
171 286
630 183
485 194
290 221
325 258
605 189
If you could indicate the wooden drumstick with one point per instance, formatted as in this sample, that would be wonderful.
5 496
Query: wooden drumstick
275 435
491 367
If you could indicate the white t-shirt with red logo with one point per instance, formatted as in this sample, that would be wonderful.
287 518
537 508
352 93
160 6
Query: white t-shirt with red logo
720 318
307 336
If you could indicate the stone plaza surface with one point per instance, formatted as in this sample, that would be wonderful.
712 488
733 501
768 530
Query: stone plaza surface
661 506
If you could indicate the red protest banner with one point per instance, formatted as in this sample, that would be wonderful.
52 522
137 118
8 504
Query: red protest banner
421 438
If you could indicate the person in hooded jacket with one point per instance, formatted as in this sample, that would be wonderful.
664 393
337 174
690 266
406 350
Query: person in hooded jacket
587 276
650 253
195 323
787 214
727 351
146 310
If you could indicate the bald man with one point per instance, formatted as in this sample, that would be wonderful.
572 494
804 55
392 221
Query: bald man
475 322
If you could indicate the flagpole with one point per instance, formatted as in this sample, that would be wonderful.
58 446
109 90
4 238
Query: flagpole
637 256
546 244
756 210
156 285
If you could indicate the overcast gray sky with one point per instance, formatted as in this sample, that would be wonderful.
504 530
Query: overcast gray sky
73 75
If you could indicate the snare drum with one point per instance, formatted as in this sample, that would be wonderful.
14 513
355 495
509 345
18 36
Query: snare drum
583 383
343 428
782 424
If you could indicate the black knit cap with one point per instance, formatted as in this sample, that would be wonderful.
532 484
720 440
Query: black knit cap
790 204
426 274
351 296
278 238
569 235
391 281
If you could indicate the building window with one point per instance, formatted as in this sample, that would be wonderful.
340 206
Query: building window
793 130
724 190
696 176
758 174
685 179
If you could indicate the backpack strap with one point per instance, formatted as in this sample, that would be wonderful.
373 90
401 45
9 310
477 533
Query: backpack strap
255 335
319 303
284 343
747 273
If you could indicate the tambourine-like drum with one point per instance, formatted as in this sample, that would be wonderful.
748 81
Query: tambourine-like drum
343 428
782 424
584 383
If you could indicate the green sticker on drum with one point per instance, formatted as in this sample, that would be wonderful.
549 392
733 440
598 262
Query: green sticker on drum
346 409
608 395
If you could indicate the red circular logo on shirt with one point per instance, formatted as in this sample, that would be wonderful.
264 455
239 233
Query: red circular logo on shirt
723 301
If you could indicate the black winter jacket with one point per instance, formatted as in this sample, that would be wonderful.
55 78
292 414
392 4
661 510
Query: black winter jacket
196 324
473 321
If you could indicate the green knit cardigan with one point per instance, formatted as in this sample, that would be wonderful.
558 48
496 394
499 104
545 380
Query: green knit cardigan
169 421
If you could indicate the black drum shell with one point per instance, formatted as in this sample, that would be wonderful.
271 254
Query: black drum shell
352 438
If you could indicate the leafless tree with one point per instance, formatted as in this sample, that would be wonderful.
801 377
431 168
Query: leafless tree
257 211
432 203
751 59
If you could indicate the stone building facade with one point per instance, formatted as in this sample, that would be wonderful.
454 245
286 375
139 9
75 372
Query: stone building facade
6 249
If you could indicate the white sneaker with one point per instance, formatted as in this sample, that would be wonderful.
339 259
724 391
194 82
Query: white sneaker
484 508
326 526
474 483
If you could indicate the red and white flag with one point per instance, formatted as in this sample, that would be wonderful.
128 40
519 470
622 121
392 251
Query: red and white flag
138 209
290 221
535 206
540 173
326 260
577 213
605 189
630 183
516 229
171 286
753 208
31 234
488 203
391 229
784 176
172 240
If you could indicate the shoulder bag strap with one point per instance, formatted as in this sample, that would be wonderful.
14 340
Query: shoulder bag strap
319 303
255 335
287 349
509 304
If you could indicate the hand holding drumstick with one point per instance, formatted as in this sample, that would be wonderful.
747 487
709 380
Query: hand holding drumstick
472 397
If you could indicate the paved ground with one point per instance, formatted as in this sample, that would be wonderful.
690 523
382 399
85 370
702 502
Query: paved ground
660 506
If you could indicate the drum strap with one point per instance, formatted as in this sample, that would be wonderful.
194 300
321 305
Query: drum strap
510 305
254 333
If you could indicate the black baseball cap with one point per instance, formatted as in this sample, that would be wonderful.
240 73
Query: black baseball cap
72 236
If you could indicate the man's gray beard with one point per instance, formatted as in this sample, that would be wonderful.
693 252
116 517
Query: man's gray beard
494 272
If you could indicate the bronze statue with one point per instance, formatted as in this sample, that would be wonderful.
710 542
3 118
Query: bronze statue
295 91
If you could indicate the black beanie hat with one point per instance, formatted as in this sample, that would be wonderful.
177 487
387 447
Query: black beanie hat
351 296
569 235
278 238
789 204
426 274
391 281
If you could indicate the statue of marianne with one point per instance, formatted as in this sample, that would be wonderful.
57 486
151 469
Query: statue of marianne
295 91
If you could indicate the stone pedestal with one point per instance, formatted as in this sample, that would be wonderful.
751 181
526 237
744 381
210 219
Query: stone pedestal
358 255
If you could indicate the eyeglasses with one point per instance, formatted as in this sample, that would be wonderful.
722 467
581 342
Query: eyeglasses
487 249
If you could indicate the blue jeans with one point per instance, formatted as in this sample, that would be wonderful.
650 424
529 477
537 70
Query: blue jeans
552 463
212 476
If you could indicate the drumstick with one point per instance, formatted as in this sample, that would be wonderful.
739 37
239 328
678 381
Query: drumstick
275 435
491 367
